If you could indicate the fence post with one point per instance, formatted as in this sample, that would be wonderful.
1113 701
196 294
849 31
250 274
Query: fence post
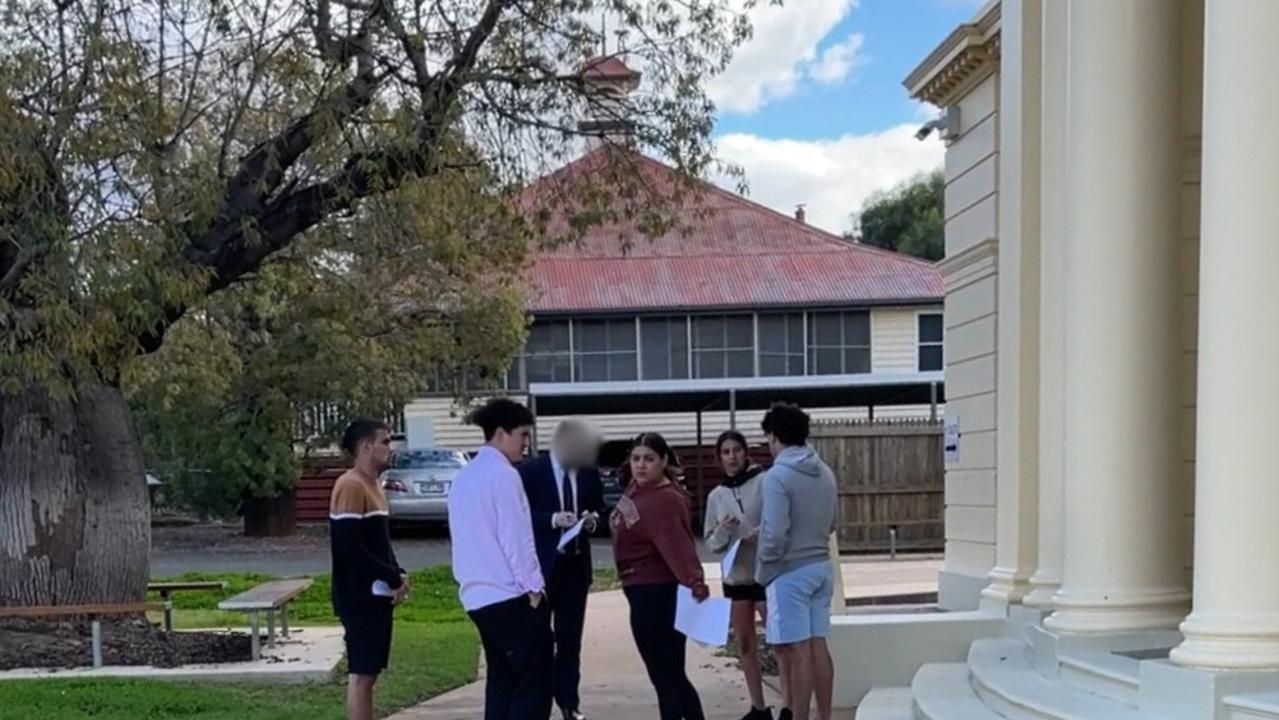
838 601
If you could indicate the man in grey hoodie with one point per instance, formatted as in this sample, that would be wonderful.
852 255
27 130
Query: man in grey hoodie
793 561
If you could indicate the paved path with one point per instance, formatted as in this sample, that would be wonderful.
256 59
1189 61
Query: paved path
614 685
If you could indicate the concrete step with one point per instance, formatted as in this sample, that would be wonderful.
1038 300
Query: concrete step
886 704
1108 674
1005 679
942 691
1258 706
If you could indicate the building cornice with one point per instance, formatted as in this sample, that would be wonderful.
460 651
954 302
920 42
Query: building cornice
967 56
977 262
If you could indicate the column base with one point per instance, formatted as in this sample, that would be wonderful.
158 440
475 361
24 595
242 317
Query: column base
1180 693
1096 612
1043 588
1234 642
1007 587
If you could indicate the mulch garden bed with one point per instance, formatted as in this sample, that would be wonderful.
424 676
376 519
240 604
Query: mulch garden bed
43 644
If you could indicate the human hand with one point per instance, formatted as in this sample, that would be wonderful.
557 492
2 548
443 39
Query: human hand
401 594
404 581
534 599
563 520
730 522
592 521
701 592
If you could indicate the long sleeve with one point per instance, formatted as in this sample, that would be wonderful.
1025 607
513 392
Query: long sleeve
717 538
594 501
775 521
515 533
674 541
541 519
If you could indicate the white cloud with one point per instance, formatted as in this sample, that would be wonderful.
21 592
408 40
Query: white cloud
832 178
838 60
772 63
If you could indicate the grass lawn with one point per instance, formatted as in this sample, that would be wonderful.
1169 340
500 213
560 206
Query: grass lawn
435 649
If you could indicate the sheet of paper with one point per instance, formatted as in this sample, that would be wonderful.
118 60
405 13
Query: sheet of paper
730 558
571 533
381 589
705 622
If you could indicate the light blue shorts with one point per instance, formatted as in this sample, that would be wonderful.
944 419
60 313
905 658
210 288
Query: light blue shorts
799 604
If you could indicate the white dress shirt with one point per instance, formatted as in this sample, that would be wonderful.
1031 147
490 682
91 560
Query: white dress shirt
558 470
494 558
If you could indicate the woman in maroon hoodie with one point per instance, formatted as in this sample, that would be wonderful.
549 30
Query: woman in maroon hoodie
655 552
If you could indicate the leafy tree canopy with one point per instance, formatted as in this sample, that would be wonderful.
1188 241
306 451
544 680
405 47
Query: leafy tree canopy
907 219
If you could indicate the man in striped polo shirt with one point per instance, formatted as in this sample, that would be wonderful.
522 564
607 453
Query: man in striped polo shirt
368 582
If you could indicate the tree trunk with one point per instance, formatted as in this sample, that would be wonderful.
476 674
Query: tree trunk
74 517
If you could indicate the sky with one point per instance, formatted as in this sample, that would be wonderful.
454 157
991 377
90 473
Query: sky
813 108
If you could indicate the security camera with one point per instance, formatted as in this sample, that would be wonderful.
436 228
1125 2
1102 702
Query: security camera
927 129
946 124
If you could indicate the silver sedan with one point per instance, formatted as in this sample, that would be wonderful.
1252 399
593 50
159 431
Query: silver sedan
418 482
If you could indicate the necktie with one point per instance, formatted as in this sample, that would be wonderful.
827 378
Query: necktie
566 495
567 505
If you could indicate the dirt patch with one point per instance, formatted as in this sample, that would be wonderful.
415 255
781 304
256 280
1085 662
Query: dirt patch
40 644
229 537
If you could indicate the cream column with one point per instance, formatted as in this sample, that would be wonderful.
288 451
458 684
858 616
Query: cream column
1052 307
1235 623
1017 338
1122 570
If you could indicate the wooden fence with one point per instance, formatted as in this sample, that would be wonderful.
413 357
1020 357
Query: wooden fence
890 476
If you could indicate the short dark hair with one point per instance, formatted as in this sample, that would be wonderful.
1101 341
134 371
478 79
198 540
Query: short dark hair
358 431
787 423
500 413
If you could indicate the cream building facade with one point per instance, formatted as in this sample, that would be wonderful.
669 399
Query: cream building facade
1112 176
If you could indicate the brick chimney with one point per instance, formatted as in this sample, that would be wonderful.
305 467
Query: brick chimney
799 212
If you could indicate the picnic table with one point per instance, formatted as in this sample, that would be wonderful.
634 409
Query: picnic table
93 612
269 597
168 588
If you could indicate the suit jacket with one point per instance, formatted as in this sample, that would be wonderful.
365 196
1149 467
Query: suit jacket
543 491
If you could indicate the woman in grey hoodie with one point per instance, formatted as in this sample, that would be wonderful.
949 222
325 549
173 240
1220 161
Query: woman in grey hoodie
733 514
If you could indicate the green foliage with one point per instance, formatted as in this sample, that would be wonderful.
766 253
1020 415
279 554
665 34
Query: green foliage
431 291
156 154
909 218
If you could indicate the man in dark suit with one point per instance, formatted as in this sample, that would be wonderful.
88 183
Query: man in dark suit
564 488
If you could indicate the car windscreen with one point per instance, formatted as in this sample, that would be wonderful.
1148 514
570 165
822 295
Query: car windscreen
427 460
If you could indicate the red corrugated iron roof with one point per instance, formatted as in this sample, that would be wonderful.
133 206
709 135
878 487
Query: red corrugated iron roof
728 253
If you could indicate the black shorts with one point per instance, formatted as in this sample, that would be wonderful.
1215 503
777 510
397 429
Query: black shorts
751 592
368 638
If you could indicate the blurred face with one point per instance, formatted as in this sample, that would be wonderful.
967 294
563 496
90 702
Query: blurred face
512 444
377 452
647 467
732 457
577 448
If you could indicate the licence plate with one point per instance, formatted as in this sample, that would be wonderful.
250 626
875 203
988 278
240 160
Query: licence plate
432 488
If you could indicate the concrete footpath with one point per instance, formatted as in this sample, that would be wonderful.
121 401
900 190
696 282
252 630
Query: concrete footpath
614 683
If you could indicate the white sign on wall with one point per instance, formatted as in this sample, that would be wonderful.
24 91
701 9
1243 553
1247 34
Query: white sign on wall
950 440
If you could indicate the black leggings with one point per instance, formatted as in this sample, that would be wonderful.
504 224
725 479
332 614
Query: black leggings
662 648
